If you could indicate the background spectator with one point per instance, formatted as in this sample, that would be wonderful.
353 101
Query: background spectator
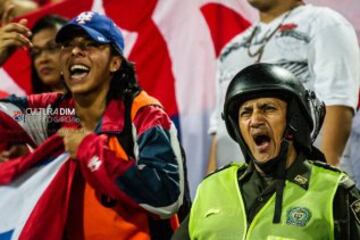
299 37
21 7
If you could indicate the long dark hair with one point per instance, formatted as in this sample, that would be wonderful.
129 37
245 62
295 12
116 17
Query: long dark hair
124 80
48 21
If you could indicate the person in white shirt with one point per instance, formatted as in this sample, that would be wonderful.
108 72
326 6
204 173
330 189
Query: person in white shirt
318 45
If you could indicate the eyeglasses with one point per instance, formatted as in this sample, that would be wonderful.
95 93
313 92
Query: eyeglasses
83 45
50 47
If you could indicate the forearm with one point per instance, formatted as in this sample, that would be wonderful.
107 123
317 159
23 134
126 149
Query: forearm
4 55
212 163
335 132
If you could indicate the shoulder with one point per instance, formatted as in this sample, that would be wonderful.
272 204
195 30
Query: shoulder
347 186
324 165
241 169
151 116
148 114
142 99
348 195
325 16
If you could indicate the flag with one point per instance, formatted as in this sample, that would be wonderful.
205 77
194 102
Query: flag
35 192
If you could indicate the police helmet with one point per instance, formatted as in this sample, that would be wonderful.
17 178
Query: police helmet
305 113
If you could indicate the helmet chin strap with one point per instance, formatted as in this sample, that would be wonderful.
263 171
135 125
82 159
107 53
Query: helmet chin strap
277 165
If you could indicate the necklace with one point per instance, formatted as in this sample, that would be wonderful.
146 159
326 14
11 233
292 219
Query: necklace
259 52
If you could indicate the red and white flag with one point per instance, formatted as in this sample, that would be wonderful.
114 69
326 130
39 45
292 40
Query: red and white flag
35 192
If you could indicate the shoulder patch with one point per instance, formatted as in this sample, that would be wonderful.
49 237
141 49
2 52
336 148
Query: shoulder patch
325 165
355 208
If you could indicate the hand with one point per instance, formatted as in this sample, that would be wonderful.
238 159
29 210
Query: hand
12 35
13 152
3 5
72 139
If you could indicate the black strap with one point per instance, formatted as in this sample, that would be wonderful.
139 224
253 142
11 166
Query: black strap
278 201
281 175
316 154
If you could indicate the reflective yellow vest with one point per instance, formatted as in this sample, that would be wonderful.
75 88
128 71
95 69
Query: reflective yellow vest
218 210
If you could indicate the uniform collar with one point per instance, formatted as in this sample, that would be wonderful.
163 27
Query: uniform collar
299 172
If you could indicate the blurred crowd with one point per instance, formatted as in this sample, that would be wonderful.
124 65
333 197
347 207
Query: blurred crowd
22 7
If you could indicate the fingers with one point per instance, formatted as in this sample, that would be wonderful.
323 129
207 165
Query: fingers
13 152
2 158
62 132
72 139
15 35
67 132
5 154
11 44
19 27
23 21
18 150
7 15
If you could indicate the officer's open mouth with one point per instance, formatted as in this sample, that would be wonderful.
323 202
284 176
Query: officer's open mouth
261 139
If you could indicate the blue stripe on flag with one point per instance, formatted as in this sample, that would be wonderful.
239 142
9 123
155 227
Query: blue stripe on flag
6 235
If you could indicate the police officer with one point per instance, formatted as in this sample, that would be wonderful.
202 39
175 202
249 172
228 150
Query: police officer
285 191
